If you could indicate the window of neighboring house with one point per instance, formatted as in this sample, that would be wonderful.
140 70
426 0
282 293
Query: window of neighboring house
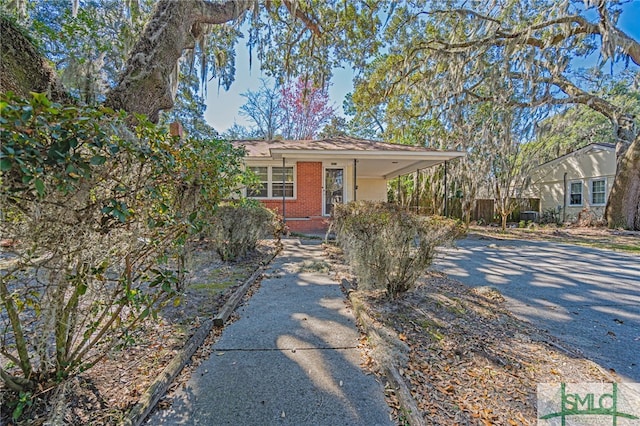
575 193
598 191
271 182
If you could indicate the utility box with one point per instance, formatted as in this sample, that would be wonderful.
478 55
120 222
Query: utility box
529 216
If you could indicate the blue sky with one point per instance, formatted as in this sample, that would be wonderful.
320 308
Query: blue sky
223 107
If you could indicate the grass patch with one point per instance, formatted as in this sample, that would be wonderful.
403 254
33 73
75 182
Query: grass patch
432 327
611 246
213 287
599 238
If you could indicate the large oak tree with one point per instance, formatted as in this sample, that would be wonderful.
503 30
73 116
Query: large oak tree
444 58
438 54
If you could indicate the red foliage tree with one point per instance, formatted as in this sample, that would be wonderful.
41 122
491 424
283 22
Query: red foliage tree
306 109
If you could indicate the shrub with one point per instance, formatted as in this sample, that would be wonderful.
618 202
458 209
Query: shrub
551 215
389 247
236 227
99 214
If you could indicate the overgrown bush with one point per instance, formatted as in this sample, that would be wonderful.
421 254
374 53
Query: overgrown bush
236 227
551 215
389 247
98 215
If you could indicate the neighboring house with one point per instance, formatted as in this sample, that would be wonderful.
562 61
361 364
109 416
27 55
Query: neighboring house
303 179
579 180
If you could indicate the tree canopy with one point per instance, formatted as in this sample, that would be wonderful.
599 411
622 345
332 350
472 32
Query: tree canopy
422 68
444 61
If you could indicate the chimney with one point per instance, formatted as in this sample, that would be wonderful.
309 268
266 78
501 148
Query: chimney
175 129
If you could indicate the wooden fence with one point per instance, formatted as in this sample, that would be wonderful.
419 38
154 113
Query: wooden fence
485 209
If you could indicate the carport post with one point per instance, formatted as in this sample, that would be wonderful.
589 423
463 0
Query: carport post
446 210
417 191
284 204
355 179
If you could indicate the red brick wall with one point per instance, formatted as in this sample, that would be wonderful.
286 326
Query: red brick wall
315 225
308 202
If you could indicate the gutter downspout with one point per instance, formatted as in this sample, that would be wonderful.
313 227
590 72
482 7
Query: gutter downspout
415 188
284 204
417 191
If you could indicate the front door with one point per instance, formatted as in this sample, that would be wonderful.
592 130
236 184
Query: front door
333 189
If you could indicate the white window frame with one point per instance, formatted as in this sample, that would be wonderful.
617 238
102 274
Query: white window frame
591 193
569 193
277 180
246 191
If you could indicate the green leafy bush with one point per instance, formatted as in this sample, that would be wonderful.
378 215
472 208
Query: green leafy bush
236 227
389 247
99 214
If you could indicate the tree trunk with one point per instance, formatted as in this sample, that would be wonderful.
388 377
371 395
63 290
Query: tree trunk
23 69
147 85
623 206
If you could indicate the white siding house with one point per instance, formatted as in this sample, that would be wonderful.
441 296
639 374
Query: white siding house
579 180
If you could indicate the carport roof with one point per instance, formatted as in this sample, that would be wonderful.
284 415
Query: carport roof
374 159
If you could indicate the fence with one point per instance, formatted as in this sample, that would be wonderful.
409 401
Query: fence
484 209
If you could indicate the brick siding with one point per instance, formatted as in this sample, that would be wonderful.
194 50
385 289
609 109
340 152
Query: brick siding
308 202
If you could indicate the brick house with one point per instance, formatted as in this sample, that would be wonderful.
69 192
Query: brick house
302 179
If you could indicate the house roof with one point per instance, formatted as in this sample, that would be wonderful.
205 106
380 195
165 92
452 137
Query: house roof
259 148
374 159
583 150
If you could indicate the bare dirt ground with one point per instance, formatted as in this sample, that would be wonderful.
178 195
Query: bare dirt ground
105 393
470 361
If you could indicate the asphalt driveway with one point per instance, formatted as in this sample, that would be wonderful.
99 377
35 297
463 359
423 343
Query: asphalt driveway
588 297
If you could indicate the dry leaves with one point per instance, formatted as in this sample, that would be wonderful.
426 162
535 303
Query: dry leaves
470 361
103 394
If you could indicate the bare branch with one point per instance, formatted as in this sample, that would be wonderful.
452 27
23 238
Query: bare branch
580 96
17 384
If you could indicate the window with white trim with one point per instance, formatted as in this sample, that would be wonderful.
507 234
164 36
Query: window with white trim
575 193
261 190
271 182
598 191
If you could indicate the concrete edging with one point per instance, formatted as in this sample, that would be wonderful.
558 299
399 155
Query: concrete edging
159 386
384 340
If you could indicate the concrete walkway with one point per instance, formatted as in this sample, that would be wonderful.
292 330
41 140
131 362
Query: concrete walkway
290 359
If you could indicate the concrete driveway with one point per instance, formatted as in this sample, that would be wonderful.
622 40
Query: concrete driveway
588 297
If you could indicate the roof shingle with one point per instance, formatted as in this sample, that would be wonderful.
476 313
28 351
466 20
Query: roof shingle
261 148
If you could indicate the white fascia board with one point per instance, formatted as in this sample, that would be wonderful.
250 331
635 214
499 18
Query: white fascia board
358 154
268 161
